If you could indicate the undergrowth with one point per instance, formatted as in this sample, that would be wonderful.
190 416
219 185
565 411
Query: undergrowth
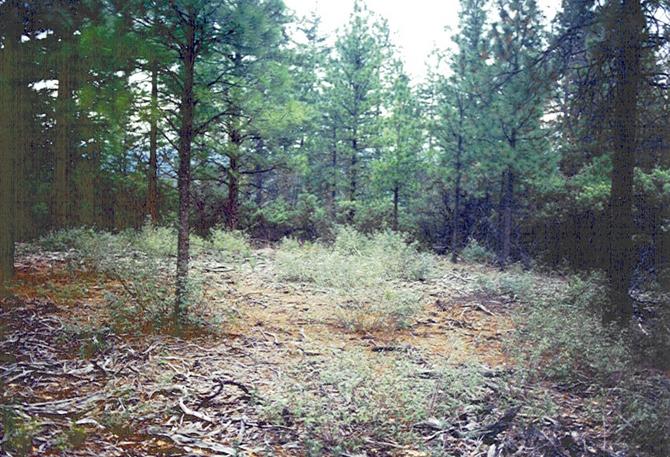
154 241
362 401
362 273
139 265
563 340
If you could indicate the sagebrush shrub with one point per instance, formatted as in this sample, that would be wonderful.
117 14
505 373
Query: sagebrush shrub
230 244
359 398
475 252
361 272
563 339
375 309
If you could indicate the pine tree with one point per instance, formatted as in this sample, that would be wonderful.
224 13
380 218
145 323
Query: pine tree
356 78
396 168
520 89
464 108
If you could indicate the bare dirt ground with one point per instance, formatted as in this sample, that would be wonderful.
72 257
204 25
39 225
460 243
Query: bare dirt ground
110 395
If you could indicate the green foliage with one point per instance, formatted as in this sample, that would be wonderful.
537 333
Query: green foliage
120 423
91 340
64 239
306 219
644 405
353 260
513 284
145 299
376 308
162 241
562 339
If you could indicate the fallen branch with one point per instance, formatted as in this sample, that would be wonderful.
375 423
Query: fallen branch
198 415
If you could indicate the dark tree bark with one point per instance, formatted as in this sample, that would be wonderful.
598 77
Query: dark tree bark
188 54
353 178
396 198
63 143
152 188
24 163
456 224
333 183
629 27
232 201
9 138
88 171
506 207
259 175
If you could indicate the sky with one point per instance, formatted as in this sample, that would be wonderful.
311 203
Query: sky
417 26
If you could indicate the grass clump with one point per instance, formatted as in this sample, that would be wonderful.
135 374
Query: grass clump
360 402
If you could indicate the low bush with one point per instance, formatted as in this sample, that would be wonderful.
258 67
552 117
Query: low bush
375 309
353 260
230 244
360 272
563 339
475 252
73 437
64 239
514 284
360 401
87 339
160 241
144 300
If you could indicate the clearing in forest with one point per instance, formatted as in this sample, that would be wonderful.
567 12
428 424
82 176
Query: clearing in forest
362 347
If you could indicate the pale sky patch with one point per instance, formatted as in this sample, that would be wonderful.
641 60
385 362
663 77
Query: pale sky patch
417 26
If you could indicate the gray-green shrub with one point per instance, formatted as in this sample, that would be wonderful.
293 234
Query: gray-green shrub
358 399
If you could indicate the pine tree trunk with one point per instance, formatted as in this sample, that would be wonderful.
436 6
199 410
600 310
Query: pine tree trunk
8 143
232 202
184 172
63 141
629 27
333 183
23 160
353 182
506 206
88 171
396 197
152 188
456 223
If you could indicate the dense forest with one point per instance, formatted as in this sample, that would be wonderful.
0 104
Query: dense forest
153 143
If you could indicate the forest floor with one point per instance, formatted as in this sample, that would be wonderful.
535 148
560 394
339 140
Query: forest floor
271 380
